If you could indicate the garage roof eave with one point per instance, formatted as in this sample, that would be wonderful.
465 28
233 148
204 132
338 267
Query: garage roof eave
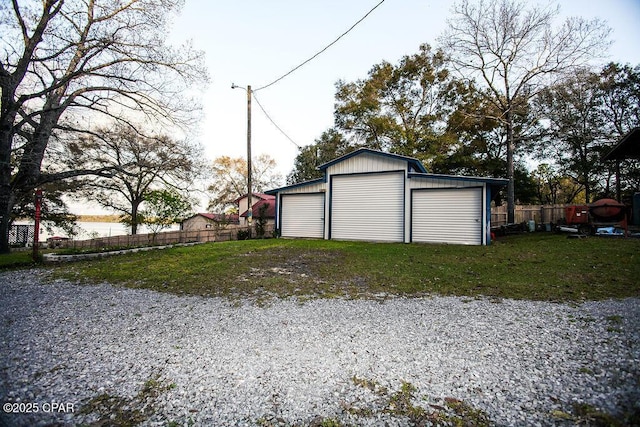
627 148
289 187
500 182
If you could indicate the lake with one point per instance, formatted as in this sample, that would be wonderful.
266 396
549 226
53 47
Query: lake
89 230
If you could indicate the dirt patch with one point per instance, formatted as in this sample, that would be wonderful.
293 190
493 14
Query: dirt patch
309 273
293 265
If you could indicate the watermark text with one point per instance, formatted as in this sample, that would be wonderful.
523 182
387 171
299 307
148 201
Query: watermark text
37 407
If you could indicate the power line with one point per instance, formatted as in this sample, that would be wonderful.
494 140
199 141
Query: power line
271 120
320 52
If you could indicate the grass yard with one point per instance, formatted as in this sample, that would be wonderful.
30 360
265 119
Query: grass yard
16 259
540 266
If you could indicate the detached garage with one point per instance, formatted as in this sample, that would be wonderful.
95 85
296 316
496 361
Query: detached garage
374 196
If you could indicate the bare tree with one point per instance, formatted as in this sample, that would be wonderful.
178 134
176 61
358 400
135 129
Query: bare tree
66 62
230 179
140 164
515 51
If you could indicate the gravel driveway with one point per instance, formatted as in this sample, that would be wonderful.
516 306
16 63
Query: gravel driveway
86 354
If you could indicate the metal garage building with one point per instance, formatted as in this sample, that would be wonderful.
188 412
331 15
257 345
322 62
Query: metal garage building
376 196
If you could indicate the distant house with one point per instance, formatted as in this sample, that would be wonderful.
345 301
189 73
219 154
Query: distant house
243 205
56 242
208 220
265 207
211 220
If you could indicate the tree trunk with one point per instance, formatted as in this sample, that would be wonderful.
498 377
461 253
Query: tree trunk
511 194
134 218
6 206
7 116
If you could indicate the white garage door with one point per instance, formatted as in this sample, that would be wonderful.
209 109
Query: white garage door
368 207
447 216
302 215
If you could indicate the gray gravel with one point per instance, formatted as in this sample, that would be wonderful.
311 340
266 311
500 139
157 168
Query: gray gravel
214 361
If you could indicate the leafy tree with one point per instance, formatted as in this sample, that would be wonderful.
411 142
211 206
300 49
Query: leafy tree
526 184
480 143
548 183
329 146
514 51
162 208
400 108
481 140
620 85
555 188
586 116
140 164
67 63
54 210
261 220
230 179
575 128
621 107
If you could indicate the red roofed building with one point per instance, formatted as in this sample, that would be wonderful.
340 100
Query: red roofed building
208 220
269 206
243 206
211 220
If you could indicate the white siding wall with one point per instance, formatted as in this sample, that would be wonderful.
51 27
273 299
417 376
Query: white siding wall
416 182
367 163
319 187
197 223
311 188
364 163
427 182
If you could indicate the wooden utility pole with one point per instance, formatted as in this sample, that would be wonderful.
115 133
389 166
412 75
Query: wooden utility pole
249 188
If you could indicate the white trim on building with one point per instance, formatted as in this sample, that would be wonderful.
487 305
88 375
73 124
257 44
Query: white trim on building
374 196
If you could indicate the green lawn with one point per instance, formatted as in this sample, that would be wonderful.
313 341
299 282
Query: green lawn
16 259
540 266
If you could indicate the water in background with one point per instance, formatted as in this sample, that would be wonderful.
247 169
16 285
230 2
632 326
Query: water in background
90 230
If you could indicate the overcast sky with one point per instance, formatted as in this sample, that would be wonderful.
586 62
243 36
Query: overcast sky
253 42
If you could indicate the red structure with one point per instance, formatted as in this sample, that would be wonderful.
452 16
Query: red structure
601 213
577 214
36 230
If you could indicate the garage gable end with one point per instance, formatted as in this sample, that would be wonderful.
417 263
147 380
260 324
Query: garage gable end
365 160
